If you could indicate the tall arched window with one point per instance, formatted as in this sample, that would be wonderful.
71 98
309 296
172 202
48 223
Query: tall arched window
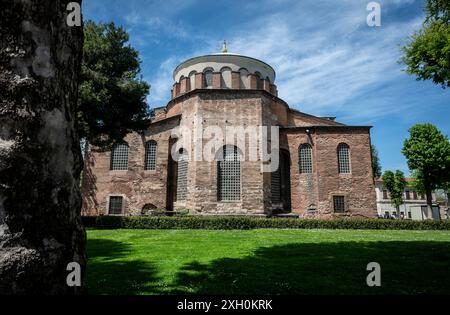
276 186
305 158
150 155
258 80
119 157
343 156
225 82
229 174
208 74
192 79
243 74
182 174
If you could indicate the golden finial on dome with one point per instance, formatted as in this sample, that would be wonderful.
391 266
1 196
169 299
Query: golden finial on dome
224 47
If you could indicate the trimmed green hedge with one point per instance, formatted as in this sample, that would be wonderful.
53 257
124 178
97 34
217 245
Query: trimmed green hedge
246 223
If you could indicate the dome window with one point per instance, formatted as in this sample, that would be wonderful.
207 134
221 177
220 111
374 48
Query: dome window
208 73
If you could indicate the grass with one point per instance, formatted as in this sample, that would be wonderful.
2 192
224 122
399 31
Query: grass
266 261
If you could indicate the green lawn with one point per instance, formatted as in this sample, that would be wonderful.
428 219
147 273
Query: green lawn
266 261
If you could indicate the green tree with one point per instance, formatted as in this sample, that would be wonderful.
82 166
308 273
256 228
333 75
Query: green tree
427 54
417 182
428 153
112 99
446 188
395 184
376 165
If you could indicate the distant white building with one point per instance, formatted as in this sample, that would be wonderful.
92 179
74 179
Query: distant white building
414 206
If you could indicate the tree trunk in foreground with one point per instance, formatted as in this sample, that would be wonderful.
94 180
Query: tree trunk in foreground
40 160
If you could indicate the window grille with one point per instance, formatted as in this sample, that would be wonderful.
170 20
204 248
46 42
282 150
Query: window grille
343 158
225 78
229 175
258 80
208 78
119 157
150 155
115 205
276 186
243 78
305 158
182 177
192 79
339 204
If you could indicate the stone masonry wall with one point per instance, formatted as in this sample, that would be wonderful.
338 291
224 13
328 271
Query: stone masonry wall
136 185
316 190
221 109
311 194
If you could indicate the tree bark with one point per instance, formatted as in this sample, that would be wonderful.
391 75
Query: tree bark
40 159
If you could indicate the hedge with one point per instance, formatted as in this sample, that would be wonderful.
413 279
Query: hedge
246 223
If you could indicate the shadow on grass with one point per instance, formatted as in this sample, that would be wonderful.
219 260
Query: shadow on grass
109 271
323 268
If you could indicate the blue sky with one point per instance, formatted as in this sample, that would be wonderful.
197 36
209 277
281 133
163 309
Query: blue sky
328 61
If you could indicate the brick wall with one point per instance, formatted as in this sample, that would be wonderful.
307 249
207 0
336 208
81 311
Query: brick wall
316 190
138 186
186 85
221 109
244 108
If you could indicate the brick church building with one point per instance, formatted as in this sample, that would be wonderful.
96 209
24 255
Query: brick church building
324 167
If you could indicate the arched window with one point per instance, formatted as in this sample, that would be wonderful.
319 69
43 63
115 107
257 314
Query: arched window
182 174
225 78
229 174
147 208
115 205
343 157
258 80
119 157
208 74
276 186
192 79
243 78
150 155
305 158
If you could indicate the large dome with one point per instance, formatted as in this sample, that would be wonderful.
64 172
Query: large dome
223 71
222 62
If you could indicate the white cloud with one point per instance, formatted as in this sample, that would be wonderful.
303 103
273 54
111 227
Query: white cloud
325 55
152 28
321 69
162 83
